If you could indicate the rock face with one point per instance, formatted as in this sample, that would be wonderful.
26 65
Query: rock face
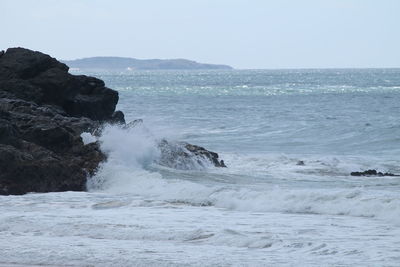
202 152
43 111
182 155
36 77
185 156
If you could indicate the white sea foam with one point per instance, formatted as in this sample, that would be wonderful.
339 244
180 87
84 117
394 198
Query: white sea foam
263 210
88 138
131 169
128 151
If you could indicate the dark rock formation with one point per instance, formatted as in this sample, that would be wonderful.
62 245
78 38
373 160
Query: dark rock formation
202 152
43 111
39 78
182 155
372 173
300 163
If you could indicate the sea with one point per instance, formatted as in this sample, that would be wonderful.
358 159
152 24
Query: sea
289 138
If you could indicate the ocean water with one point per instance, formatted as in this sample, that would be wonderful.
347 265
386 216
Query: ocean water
264 209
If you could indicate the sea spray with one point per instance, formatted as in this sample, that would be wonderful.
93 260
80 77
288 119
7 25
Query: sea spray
131 168
129 152
133 155
264 209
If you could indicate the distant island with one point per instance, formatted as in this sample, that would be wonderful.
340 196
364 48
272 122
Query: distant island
123 63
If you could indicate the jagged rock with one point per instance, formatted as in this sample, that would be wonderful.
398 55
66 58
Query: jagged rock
372 173
34 76
202 152
181 155
43 111
185 156
32 168
117 117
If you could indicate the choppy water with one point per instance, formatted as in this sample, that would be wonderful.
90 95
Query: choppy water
263 209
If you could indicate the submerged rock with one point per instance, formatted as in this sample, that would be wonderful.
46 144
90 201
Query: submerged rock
202 152
133 124
185 156
43 112
181 155
300 163
372 173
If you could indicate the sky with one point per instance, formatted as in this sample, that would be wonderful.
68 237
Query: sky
246 34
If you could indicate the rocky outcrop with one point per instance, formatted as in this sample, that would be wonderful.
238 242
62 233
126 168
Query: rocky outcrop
185 156
372 173
39 78
182 155
204 153
43 111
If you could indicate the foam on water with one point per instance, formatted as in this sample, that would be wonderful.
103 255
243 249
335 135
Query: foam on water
265 209
132 168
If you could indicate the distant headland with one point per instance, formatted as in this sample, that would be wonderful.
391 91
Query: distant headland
123 63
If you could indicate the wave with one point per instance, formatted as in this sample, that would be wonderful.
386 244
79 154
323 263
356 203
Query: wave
132 169
130 152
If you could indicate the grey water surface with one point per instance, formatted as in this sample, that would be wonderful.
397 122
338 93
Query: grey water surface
265 209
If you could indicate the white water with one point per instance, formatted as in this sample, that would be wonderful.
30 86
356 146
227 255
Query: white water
263 210
135 215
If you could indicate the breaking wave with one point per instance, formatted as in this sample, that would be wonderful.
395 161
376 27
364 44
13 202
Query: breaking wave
133 168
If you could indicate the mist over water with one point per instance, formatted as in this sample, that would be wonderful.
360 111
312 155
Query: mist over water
265 208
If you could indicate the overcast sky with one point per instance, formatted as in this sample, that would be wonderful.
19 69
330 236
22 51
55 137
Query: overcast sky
241 33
